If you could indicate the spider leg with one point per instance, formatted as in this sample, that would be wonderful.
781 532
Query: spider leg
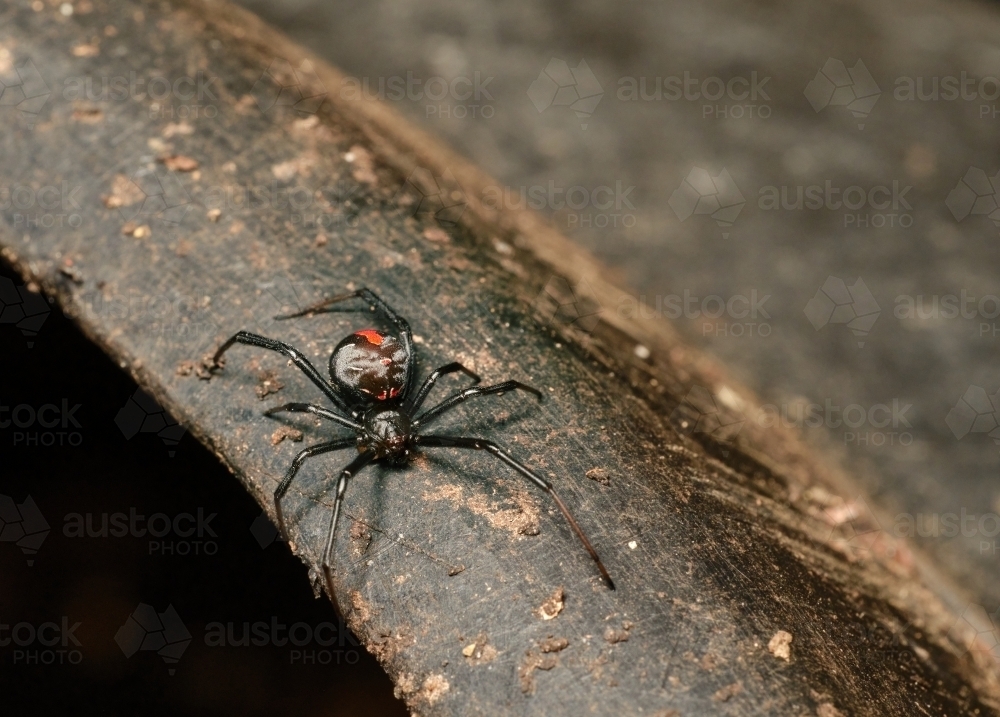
301 458
251 339
483 445
428 384
316 410
454 400
377 304
345 475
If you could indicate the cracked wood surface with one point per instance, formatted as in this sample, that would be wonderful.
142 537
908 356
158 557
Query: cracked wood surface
742 585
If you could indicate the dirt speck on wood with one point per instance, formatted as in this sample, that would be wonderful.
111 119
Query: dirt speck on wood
554 605
283 432
480 651
553 644
362 610
526 671
615 636
781 645
179 163
600 475
435 687
724 694
267 383
520 519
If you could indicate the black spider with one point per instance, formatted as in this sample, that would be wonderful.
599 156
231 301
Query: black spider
371 374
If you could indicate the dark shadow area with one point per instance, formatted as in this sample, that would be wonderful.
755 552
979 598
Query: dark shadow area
94 526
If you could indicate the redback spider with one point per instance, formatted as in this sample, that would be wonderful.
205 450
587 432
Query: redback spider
371 375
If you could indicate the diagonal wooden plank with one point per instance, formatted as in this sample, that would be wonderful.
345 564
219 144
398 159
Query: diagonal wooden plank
186 218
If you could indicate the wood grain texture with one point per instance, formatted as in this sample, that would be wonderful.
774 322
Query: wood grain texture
458 575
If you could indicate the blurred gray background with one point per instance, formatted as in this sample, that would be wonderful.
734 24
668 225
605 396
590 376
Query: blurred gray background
935 114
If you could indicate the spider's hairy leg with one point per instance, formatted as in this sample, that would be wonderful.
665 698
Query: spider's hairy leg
352 470
484 445
315 410
251 339
301 458
428 384
452 401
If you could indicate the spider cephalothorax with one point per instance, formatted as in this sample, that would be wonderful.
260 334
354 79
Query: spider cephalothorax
387 433
371 384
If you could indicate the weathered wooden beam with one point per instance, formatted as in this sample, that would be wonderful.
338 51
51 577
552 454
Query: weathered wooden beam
741 586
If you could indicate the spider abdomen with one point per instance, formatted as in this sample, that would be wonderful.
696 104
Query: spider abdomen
370 365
